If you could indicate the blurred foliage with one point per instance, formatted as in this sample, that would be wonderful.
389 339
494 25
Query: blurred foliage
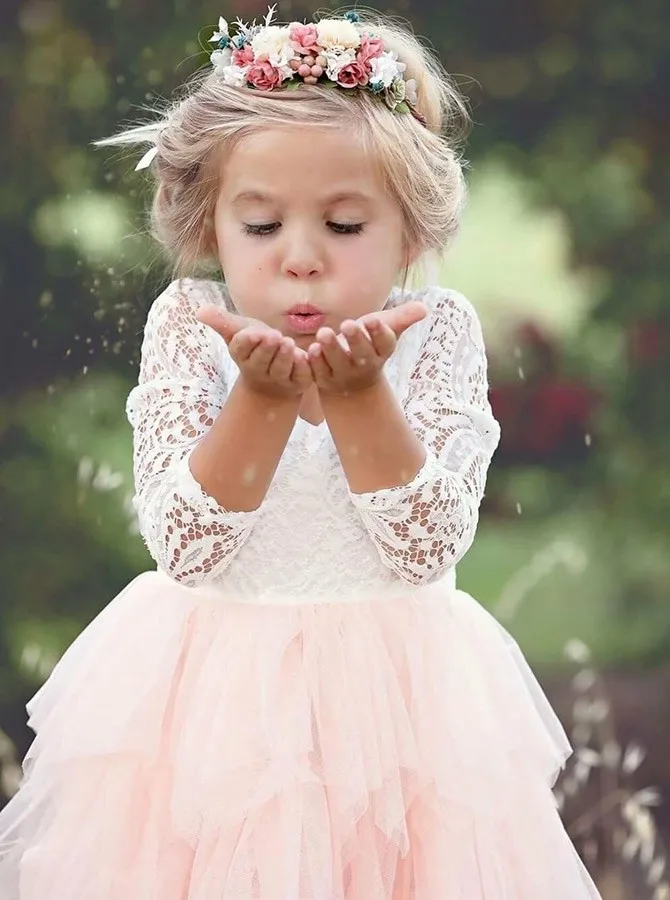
570 96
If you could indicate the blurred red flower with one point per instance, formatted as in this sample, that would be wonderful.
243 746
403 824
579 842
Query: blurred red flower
545 416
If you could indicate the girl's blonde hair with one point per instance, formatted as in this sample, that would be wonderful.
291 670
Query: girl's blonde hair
421 164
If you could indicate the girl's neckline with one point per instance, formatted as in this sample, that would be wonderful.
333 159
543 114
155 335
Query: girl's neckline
311 424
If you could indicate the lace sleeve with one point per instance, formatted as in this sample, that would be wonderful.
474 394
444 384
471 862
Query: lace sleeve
179 393
423 528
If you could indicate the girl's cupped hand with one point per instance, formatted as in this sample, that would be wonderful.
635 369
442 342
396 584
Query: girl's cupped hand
273 365
269 362
370 342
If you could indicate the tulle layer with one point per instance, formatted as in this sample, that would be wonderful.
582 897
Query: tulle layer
190 748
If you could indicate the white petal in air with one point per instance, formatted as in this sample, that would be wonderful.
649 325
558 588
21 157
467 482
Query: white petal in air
147 159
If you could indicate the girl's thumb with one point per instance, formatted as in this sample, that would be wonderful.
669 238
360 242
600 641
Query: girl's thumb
406 315
218 321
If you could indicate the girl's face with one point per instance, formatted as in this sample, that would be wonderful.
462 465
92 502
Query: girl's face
302 217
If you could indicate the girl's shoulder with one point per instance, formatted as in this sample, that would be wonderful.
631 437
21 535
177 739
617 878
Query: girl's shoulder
186 295
448 340
442 302
451 317
174 339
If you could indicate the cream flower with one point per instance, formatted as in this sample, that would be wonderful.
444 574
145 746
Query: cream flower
273 43
386 68
337 33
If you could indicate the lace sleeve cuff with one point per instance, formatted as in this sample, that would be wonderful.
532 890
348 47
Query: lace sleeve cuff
202 503
387 498
190 536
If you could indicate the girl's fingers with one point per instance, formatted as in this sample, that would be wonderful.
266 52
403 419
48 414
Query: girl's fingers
382 337
333 352
243 344
321 371
301 373
402 317
361 347
224 323
282 364
262 355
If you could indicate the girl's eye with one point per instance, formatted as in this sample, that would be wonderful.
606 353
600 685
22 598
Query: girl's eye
261 229
271 227
338 228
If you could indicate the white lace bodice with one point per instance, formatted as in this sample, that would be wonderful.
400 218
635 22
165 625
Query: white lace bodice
311 535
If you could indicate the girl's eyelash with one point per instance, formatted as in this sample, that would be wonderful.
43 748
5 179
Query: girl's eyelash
260 229
338 228
271 227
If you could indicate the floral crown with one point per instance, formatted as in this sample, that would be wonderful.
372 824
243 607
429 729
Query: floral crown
331 52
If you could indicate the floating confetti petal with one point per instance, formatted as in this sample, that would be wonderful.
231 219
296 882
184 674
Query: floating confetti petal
147 159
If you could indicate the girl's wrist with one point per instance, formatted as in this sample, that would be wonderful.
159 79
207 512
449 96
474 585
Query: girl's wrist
363 395
272 402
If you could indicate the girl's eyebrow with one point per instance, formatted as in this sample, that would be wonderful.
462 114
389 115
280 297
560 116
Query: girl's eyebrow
251 196
256 196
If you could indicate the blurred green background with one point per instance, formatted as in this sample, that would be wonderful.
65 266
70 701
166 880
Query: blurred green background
564 251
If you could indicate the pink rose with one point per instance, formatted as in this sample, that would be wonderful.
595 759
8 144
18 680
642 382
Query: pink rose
264 76
370 48
354 74
304 39
243 57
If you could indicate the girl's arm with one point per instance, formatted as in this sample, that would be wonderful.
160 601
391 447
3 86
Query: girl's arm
203 458
417 473
377 446
236 460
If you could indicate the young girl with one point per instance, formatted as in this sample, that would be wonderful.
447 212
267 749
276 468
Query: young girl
299 704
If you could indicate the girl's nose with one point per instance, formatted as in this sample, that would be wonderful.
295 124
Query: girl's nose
301 268
302 259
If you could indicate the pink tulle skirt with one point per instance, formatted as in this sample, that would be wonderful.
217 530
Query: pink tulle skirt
189 747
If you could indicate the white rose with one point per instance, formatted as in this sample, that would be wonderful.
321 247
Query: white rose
234 76
340 33
336 59
272 43
386 68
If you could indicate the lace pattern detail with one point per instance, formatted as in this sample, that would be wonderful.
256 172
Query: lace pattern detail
428 525
311 535
180 392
